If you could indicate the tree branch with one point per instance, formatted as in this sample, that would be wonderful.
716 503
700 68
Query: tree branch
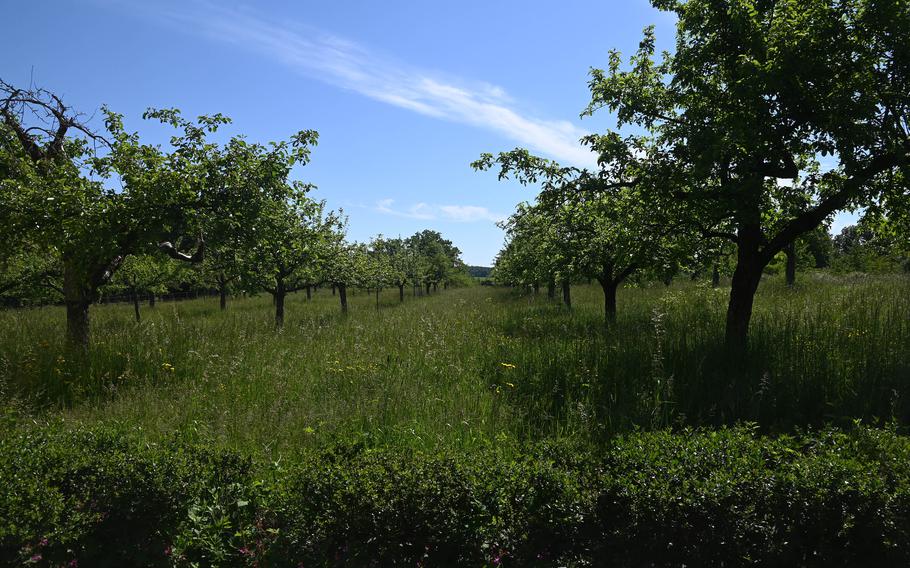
169 249
813 217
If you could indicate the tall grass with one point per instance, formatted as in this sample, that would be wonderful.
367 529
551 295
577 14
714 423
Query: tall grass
468 366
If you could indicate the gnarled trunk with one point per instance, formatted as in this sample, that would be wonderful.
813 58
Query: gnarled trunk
746 276
343 294
135 295
566 293
77 300
790 251
609 287
279 295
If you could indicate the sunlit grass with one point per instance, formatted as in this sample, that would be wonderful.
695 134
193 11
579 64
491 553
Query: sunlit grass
467 366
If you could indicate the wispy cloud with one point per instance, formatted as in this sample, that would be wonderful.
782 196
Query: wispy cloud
426 211
349 65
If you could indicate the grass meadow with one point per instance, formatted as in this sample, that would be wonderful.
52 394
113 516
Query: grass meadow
467 367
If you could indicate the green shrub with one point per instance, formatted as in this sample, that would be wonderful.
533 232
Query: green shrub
694 497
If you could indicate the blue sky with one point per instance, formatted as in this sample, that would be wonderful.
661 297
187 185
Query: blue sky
404 94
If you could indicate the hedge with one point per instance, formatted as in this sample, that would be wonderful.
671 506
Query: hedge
97 497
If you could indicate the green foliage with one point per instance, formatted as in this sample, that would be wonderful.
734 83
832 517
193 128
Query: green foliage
146 274
712 498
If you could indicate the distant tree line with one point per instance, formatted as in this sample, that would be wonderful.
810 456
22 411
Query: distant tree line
479 271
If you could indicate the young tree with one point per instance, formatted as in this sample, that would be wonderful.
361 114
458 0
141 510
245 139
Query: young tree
595 225
540 247
143 274
754 92
437 259
292 239
379 271
400 263
345 266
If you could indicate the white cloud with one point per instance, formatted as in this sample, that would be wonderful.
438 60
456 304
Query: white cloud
348 65
426 211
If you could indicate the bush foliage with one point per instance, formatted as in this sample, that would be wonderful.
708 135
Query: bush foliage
100 497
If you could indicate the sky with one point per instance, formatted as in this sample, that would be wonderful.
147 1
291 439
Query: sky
404 95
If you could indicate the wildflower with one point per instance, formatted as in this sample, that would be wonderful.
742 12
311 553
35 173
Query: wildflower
510 385
508 365
167 367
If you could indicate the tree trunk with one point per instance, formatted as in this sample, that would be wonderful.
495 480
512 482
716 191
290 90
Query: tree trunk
551 288
309 292
77 324
401 292
333 289
715 277
609 287
790 251
428 288
536 287
77 301
445 285
566 293
279 295
343 294
377 298
435 287
222 296
152 300
746 276
136 305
